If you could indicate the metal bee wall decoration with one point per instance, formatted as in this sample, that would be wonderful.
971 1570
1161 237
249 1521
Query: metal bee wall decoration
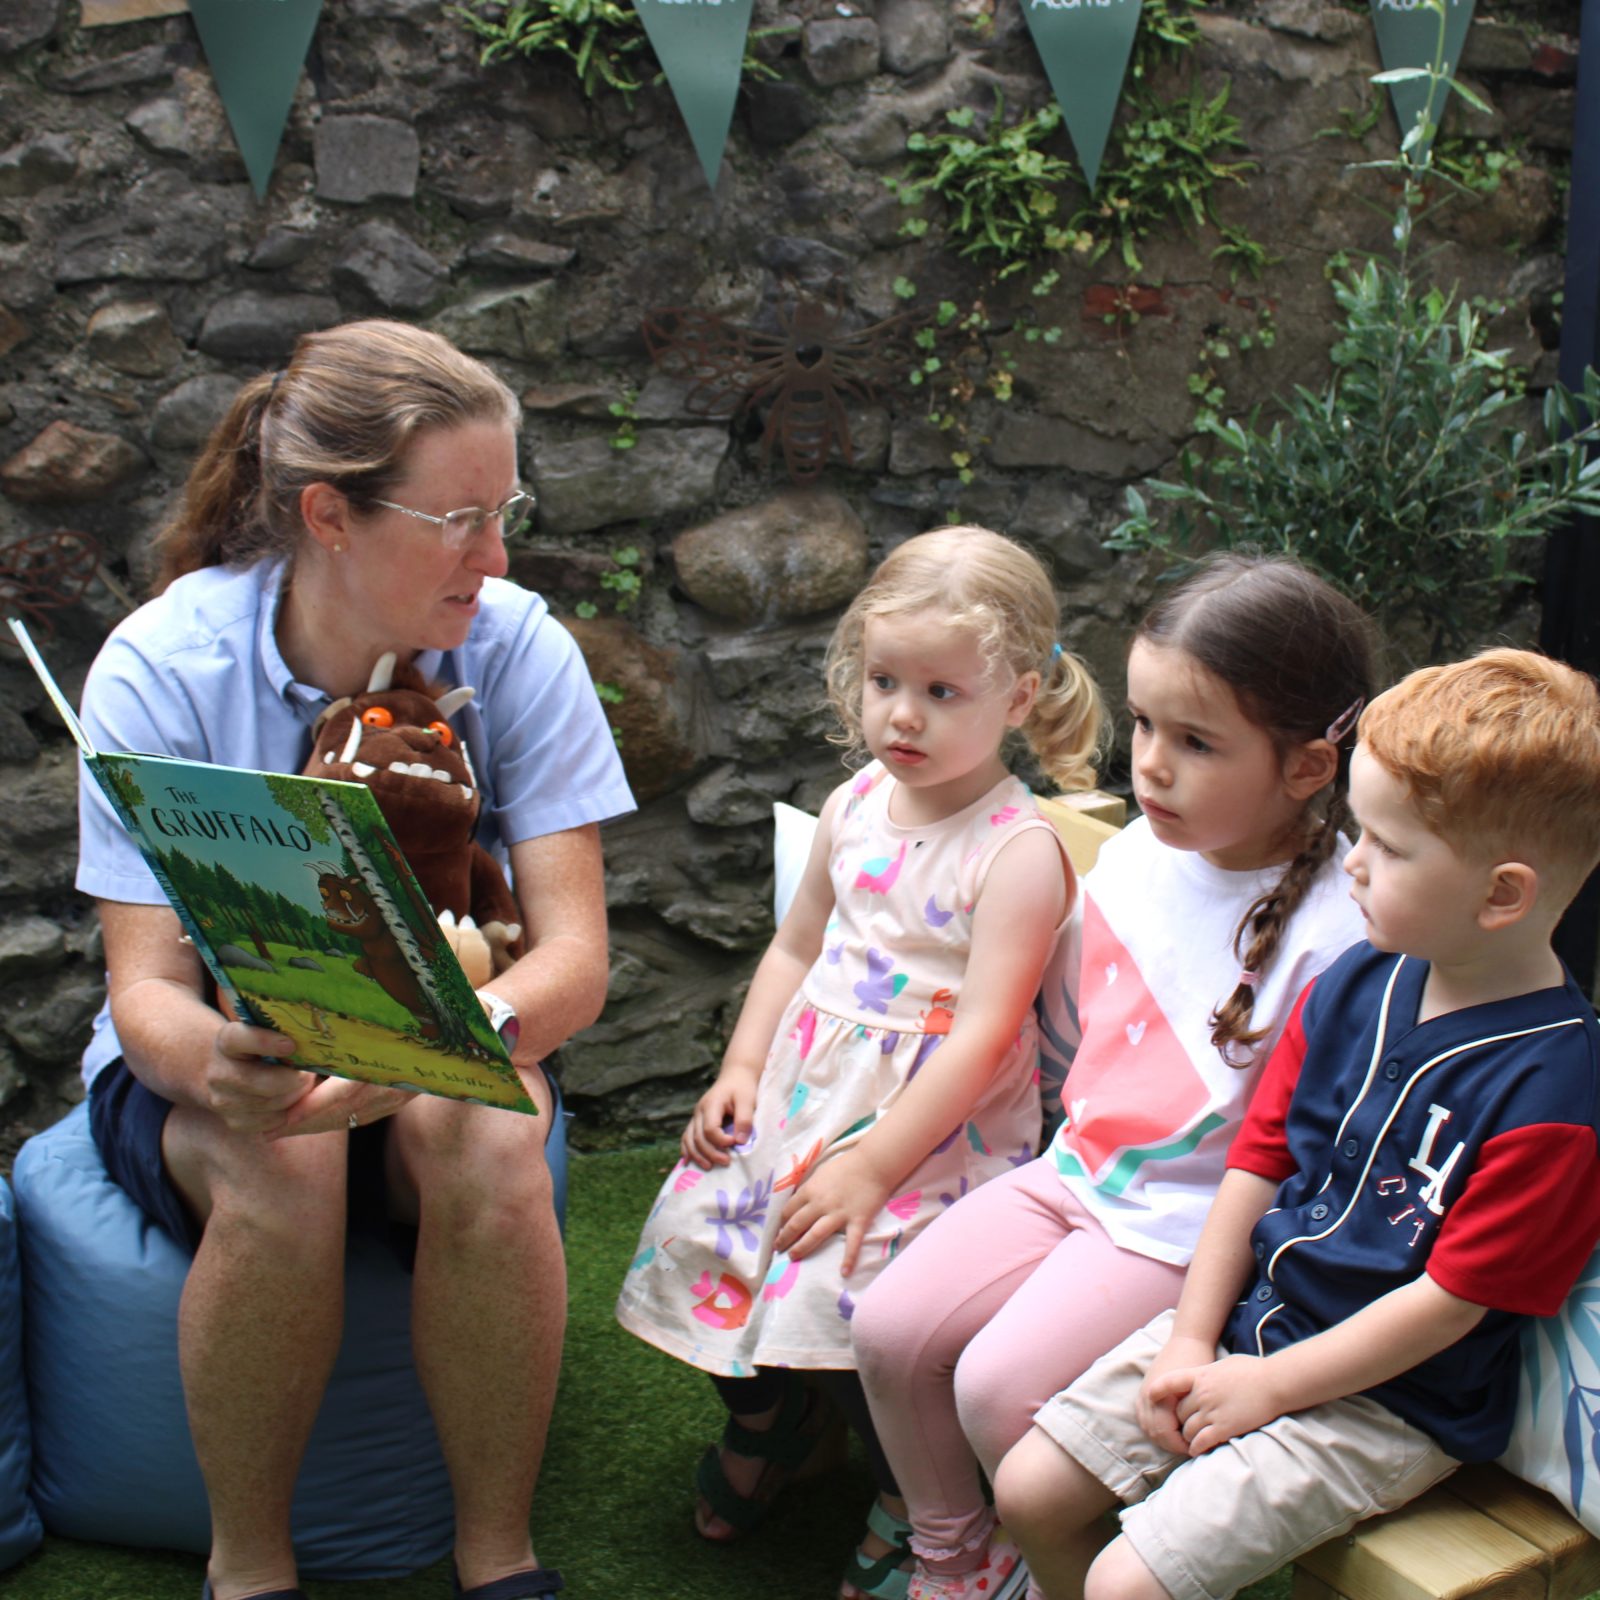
804 373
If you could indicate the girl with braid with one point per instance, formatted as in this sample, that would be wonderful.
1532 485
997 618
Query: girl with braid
1201 923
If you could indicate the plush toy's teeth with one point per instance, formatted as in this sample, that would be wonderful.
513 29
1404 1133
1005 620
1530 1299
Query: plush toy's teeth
468 790
327 758
351 744
361 769
418 769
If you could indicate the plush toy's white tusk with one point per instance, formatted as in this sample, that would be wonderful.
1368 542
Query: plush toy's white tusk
452 700
382 673
352 744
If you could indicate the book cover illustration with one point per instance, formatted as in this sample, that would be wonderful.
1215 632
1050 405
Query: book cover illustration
302 906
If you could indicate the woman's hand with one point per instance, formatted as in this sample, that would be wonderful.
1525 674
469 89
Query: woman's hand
329 1107
843 1192
250 1094
722 1118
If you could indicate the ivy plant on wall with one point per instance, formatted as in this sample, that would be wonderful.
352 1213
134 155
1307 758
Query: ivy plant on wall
1002 191
602 41
1005 190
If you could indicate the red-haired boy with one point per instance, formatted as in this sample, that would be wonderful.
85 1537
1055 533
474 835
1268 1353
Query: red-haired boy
1420 1170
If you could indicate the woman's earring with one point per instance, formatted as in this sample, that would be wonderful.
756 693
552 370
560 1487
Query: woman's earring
338 549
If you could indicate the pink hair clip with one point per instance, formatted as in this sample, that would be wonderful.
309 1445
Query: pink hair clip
1345 721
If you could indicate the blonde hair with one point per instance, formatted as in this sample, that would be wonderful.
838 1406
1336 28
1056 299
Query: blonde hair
993 589
1297 656
345 411
1500 756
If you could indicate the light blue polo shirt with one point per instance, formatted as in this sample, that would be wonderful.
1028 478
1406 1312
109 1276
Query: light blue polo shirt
197 673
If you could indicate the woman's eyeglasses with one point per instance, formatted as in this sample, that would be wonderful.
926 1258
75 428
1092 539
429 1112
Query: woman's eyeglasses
456 527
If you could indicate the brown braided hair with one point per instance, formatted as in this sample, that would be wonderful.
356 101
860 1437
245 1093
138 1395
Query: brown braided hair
1297 655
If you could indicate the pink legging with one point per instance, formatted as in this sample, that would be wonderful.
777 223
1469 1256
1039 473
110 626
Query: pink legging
1000 1303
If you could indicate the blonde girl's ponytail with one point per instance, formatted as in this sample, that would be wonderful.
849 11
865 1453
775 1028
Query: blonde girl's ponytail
1063 729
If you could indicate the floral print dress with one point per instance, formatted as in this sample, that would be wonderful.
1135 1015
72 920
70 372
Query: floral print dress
705 1284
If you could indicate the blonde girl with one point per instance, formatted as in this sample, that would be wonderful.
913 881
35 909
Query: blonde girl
1201 923
884 1062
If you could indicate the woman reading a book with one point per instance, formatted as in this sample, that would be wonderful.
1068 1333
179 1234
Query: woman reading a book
354 503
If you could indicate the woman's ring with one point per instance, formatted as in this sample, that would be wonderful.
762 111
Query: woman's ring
355 1122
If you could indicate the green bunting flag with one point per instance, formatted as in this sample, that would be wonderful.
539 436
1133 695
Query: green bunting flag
1408 42
700 45
256 49
1085 45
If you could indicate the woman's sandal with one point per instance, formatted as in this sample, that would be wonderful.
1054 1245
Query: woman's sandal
885 1577
786 1449
263 1594
528 1584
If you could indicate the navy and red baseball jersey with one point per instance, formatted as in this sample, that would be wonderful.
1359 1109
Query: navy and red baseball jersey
1467 1146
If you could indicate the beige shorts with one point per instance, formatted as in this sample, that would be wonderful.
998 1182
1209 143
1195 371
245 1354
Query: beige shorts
1241 1511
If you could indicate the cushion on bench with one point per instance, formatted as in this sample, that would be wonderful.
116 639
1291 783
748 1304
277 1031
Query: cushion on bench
1555 1440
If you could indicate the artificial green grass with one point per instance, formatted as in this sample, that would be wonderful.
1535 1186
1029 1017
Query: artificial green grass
614 1503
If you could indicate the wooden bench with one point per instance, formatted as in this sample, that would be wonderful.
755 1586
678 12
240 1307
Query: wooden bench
1482 1532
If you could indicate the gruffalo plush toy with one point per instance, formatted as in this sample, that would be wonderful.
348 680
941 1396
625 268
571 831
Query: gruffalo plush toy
397 740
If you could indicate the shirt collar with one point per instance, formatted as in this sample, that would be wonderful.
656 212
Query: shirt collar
302 698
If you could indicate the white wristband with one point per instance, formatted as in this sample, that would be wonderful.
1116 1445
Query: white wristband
502 1018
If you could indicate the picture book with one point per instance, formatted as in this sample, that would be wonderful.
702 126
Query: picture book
302 906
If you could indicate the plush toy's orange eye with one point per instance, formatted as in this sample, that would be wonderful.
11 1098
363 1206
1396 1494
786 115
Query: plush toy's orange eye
378 717
446 737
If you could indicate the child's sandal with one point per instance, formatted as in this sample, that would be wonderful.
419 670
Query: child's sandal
783 1449
884 1577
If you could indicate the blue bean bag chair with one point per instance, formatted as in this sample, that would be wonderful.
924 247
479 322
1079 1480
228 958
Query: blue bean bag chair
112 1459
19 1522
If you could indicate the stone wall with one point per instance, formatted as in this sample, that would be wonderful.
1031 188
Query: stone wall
141 280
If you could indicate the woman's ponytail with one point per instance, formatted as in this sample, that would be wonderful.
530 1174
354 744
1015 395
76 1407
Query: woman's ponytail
219 516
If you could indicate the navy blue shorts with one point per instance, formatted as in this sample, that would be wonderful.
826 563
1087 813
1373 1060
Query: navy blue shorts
126 1120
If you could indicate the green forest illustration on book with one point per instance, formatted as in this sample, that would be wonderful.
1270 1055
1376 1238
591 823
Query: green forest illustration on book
300 898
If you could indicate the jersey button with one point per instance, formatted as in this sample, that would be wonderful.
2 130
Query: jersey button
1264 1292
1261 1252
1351 1148
1391 1070
1318 1212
